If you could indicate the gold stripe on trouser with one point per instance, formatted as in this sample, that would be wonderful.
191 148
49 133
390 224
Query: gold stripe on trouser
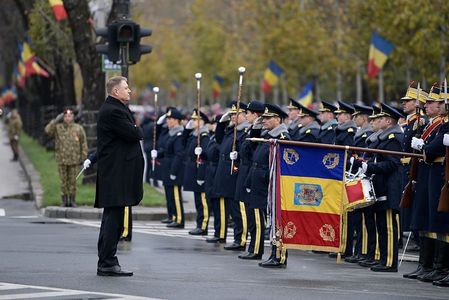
283 255
444 237
344 236
244 223
390 237
377 252
205 211
222 218
430 235
399 226
258 231
364 236
177 204
126 222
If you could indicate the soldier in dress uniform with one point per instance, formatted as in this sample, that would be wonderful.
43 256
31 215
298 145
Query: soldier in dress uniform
329 123
173 163
434 254
294 109
70 152
387 184
310 129
14 129
227 169
257 184
360 117
195 168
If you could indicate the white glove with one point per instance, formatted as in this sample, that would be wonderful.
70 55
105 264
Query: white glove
446 139
233 155
364 167
189 124
86 164
153 154
258 124
225 117
161 119
248 190
200 182
59 117
173 177
198 150
16 137
417 143
351 160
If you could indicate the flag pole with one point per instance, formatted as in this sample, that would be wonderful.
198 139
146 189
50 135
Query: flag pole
198 104
155 91
239 95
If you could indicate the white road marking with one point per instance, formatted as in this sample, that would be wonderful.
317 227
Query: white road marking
2 212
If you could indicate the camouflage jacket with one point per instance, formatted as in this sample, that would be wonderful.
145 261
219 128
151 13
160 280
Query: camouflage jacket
14 127
70 142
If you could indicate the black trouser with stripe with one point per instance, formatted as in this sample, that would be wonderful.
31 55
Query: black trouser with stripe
127 224
256 226
388 235
221 212
110 231
170 202
174 195
238 213
202 210
369 242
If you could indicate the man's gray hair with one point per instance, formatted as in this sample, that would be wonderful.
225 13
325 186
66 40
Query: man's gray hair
113 82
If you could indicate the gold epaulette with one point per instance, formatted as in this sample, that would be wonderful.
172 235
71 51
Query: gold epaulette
350 129
308 131
391 136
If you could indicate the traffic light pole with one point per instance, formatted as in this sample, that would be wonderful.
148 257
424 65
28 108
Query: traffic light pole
124 63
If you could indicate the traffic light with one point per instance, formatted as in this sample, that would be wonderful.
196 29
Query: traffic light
112 47
135 48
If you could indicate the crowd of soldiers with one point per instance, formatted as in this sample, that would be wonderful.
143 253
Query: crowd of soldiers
229 175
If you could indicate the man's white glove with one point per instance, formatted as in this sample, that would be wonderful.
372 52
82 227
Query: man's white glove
248 190
153 154
226 117
86 164
417 143
161 119
364 167
258 124
233 155
446 139
173 177
200 182
351 160
189 124
59 117
198 150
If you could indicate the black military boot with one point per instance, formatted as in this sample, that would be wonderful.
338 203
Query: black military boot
71 201
440 264
413 274
64 202
443 282
429 256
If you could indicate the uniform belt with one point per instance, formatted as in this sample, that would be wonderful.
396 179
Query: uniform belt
405 160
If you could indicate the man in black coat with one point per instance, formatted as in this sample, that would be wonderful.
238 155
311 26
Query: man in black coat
329 123
119 173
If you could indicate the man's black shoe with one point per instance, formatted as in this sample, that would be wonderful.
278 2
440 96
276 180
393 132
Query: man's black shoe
251 256
435 275
443 282
368 263
273 263
414 274
382 268
352 259
166 221
214 239
235 247
198 231
113 271
175 225
335 254
125 239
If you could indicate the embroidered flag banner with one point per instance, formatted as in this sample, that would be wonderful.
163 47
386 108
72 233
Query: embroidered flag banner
310 195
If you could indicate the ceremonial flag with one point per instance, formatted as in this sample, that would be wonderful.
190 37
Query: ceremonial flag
306 95
218 81
379 51
8 94
271 76
58 9
28 62
174 89
310 193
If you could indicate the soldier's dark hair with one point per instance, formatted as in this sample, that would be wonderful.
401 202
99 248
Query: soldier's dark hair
113 82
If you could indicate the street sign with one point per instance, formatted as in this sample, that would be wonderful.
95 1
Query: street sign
109 66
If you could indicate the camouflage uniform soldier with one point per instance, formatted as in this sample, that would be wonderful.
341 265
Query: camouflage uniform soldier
14 129
70 151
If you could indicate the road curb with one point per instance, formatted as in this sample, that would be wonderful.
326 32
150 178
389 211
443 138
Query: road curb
33 178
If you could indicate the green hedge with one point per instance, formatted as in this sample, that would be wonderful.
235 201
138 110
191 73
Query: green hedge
45 164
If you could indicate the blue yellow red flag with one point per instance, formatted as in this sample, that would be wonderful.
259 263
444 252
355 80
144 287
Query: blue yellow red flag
271 76
218 81
306 95
379 51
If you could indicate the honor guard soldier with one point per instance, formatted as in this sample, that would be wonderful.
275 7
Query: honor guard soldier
195 168
434 254
254 111
257 184
227 169
14 129
70 152
294 108
310 129
173 164
329 123
387 186
211 155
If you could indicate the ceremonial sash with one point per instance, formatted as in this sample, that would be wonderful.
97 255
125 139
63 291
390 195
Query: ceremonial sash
432 127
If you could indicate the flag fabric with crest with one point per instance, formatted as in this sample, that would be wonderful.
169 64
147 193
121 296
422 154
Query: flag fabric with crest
306 95
310 193
218 81
379 51
58 9
271 76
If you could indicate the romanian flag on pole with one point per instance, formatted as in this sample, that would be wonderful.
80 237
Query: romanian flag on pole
379 51
58 9
306 95
310 193
218 82
174 86
271 76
